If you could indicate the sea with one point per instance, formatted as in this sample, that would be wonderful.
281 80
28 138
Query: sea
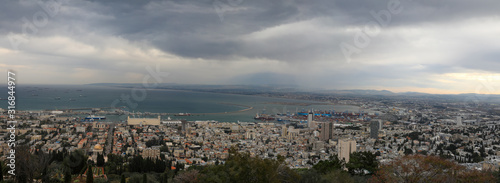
201 105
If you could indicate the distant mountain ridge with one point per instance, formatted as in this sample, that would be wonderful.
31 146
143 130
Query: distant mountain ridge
289 88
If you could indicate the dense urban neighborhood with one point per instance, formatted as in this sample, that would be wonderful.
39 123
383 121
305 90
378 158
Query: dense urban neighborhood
463 134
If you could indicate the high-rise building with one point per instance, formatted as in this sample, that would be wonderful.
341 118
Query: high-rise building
345 148
327 131
374 128
459 120
284 131
310 120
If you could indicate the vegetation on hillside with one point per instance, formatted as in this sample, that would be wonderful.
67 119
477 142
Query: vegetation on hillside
240 167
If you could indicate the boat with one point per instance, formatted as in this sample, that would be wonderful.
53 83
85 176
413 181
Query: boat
95 117
183 114
263 117
57 98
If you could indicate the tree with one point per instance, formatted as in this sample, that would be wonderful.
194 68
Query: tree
498 175
359 162
1 171
30 166
144 178
164 148
491 152
309 175
90 175
67 176
408 151
76 161
337 176
122 180
326 166
419 168
100 160
240 167
476 158
189 176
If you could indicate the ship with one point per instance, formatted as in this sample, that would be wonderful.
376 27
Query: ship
95 117
263 118
182 114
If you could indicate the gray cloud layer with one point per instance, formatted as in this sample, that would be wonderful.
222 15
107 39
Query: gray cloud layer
425 47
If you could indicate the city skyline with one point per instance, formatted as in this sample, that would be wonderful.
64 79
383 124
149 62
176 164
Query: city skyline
441 47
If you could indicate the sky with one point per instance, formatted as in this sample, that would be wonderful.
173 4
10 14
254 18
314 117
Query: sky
445 46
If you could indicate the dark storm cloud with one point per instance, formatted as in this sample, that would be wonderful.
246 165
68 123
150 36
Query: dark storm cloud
194 29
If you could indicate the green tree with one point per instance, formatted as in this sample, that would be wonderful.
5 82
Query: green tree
90 175
309 175
240 167
1 171
100 160
76 161
408 151
164 148
67 176
122 180
337 176
326 166
359 162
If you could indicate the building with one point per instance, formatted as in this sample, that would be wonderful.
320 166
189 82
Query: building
250 135
459 120
81 129
327 131
374 128
98 125
96 151
345 148
36 137
292 133
310 120
284 131
318 145
143 121
184 124
153 153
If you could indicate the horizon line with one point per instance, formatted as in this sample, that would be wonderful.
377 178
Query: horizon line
293 86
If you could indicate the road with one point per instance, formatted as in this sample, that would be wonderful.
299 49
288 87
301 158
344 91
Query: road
109 142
